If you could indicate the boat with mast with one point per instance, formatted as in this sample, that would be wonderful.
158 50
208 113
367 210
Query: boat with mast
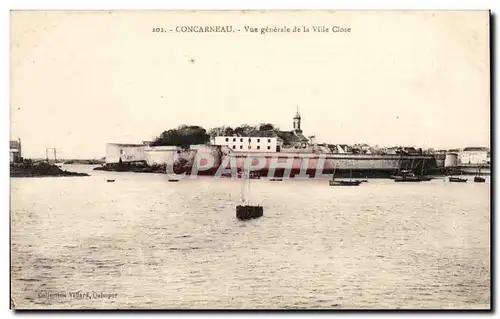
409 176
478 178
247 211
350 182
456 179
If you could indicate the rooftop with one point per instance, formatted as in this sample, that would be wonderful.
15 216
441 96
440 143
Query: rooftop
476 149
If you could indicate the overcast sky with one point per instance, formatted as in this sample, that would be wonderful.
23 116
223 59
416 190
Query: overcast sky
80 80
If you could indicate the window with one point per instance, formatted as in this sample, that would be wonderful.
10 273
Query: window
269 140
258 140
258 147
241 146
249 140
241 140
227 139
234 140
249 147
269 147
234 146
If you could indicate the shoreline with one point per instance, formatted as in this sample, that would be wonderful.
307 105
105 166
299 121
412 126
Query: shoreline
40 169
279 173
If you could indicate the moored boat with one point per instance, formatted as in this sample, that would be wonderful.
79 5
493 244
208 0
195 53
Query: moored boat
344 183
408 178
479 179
350 182
457 180
244 212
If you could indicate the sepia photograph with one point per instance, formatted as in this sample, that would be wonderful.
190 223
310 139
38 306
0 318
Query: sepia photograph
250 160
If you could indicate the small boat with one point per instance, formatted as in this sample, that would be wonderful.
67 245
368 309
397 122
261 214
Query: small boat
344 183
454 179
408 178
457 180
173 180
350 182
276 179
110 180
479 179
245 212
402 173
362 180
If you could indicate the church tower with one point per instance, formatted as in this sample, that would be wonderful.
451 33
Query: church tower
296 122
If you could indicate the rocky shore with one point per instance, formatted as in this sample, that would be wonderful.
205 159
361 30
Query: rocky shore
132 167
39 169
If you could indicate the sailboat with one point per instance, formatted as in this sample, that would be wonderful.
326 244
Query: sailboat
246 210
350 182
478 178
409 176
170 177
454 179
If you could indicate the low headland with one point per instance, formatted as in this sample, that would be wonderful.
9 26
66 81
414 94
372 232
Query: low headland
28 168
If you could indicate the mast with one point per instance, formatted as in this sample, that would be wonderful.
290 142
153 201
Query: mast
242 191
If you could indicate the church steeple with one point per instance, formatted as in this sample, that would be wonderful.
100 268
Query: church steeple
296 122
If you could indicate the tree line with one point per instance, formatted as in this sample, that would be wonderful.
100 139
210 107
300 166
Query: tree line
186 135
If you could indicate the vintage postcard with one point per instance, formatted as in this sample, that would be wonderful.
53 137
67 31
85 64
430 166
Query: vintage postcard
250 160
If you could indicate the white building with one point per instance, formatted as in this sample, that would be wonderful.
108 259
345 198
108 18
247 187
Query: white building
124 153
15 151
473 156
247 144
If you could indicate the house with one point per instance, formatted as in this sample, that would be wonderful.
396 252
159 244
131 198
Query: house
247 144
266 141
473 156
15 151
124 153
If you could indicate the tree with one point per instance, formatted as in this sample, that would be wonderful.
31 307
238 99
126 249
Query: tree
228 131
183 136
266 127
217 131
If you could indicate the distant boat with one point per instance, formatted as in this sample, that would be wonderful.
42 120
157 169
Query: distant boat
247 211
478 178
409 177
350 182
276 179
344 183
173 180
244 212
110 180
457 180
454 179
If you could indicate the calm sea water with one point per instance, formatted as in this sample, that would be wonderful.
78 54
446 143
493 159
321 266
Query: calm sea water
143 242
